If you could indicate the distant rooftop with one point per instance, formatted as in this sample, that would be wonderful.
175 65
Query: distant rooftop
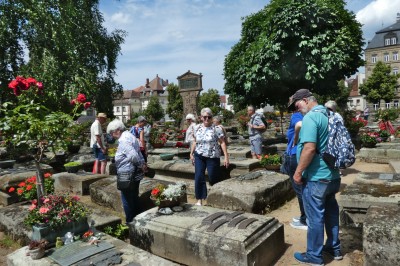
379 39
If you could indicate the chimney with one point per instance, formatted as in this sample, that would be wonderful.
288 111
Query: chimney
147 83
398 17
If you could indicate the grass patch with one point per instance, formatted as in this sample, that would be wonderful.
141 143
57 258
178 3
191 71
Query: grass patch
8 242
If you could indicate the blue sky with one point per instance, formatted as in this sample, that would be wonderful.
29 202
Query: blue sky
169 37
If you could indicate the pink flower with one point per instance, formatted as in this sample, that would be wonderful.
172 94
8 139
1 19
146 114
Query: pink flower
46 200
73 102
76 198
39 85
44 210
32 207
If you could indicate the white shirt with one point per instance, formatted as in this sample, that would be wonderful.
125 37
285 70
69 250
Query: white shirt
96 129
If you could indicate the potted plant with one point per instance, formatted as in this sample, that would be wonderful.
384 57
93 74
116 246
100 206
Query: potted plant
73 167
353 125
157 138
271 161
370 139
37 249
384 135
55 215
168 196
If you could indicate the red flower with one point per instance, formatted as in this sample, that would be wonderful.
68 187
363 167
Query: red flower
73 101
81 98
39 85
20 191
87 105
11 189
155 192
22 184
47 175
13 84
28 187
31 81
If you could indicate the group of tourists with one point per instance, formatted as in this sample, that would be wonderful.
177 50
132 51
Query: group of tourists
313 181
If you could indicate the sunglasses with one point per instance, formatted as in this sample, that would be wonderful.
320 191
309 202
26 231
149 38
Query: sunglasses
207 117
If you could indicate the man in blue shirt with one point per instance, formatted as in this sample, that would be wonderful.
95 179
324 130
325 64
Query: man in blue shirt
291 151
319 182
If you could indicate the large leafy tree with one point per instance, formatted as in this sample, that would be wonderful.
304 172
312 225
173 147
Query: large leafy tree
381 85
292 44
175 103
210 99
154 110
62 43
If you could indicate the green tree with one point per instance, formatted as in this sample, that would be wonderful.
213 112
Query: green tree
66 47
381 85
175 103
154 110
210 99
289 45
340 95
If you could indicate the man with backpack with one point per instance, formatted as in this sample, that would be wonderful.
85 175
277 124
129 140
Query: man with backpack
256 128
319 182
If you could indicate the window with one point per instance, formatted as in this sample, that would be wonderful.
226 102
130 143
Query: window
358 102
387 41
395 56
123 109
394 40
376 106
373 59
396 104
124 119
89 112
386 57
117 109
395 71
387 105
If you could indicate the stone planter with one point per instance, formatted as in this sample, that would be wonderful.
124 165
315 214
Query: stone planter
37 253
7 164
368 145
73 169
73 148
157 145
50 234
170 203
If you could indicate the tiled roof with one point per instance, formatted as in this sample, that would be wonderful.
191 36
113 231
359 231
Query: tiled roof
379 39
222 99
354 87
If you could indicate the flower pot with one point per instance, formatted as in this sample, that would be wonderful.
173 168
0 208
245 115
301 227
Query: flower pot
73 148
273 167
37 253
170 203
73 169
166 156
50 234
368 145
7 164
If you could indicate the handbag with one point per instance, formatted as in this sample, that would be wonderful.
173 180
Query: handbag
126 180
285 166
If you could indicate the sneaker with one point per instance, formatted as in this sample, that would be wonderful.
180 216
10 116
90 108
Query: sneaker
302 258
296 219
299 225
336 254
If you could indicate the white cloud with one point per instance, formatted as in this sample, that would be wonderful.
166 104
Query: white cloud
377 15
121 18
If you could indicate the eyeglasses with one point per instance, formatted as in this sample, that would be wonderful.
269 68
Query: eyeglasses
207 117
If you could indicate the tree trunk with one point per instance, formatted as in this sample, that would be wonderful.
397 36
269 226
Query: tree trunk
39 182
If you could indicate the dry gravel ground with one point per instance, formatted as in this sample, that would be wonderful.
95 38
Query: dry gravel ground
295 239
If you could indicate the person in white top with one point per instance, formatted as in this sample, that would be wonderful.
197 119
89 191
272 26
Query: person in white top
98 144
191 120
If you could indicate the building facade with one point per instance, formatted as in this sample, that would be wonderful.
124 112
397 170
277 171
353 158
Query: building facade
385 47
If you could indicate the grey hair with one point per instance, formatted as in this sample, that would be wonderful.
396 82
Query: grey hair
251 107
218 118
206 111
115 125
191 116
312 99
331 105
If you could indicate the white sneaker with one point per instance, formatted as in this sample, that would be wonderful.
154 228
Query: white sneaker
299 225
296 219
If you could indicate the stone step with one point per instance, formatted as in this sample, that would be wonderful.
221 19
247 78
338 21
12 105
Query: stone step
383 153
395 166
75 183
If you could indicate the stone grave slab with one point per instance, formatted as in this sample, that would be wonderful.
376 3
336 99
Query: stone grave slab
87 161
75 183
77 251
380 154
239 151
256 192
130 255
381 236
202 235
179 152
368 189
12 217
104 192
395 166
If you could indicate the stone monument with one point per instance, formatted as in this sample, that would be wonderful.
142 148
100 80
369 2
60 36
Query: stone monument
190 86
